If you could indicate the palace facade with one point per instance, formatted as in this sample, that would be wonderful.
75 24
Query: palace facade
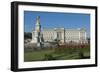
63 35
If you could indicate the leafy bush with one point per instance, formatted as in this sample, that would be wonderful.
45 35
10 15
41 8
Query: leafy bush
27 35
81 55
70 48
48 57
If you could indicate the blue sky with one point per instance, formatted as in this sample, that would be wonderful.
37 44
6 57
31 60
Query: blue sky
51 20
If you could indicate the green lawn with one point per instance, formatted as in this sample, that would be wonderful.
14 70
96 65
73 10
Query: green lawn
36 55
49 54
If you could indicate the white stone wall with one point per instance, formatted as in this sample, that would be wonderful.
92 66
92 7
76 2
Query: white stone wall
65 35
48 35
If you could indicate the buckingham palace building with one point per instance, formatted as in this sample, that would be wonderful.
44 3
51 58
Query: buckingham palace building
63 35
